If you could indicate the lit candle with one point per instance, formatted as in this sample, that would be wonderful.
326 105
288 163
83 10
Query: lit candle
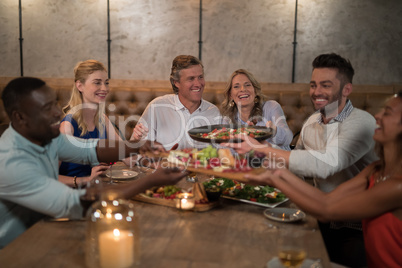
185 201
116 249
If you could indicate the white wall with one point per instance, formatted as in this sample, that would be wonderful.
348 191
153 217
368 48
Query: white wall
253 34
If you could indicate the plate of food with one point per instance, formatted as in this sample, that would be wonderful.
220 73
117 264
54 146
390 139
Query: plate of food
264 196
121 174
284 214
218 162
226 133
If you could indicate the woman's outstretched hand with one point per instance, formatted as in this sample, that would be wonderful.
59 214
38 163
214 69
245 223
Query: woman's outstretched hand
266 178
246 145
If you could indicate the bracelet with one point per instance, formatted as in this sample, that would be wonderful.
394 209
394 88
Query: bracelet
75 182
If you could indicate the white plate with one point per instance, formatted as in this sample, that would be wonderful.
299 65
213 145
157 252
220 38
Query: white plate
121 174
268 205
284 214
308 263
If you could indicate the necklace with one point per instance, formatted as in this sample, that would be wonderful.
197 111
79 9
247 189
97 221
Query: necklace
382 178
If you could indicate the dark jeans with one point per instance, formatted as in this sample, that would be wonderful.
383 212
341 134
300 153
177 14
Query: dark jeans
345 246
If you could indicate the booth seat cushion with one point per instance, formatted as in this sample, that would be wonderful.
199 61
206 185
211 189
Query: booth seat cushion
125 106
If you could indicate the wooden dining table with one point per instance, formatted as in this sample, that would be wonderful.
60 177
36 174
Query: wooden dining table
232 234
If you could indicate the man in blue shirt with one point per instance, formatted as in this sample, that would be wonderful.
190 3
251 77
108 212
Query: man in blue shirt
30 150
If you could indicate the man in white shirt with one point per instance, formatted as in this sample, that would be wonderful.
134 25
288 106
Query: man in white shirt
168 118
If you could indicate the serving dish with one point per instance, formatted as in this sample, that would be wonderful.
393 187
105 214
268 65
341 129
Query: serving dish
196 133
264 196
268 205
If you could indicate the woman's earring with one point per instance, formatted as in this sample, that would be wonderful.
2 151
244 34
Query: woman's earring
232 103
255 100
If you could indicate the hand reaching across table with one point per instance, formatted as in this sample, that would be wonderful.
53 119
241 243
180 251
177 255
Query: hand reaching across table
266 178
248 143
269 124
152 146
162 176
167 176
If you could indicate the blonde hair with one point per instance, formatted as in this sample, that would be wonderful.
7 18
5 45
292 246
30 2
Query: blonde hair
81 72
230 110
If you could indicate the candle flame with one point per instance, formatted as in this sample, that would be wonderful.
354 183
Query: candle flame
116 232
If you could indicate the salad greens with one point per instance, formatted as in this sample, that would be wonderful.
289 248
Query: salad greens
170 190
261 194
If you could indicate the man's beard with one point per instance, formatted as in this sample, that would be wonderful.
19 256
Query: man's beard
332 108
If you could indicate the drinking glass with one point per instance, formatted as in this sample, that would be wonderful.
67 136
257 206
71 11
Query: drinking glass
90 197
292 247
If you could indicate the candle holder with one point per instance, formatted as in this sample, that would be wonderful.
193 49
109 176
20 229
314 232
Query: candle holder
185 201
112 234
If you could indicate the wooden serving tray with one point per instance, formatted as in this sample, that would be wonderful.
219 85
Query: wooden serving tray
170 203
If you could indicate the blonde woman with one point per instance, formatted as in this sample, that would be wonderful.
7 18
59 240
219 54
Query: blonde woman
85 117
245 104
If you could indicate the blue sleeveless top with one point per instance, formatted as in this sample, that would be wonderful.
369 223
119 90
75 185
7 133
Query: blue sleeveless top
73 169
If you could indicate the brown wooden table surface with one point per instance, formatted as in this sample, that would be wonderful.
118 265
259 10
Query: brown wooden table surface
234 234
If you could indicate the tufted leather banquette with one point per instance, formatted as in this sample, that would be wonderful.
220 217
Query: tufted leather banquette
128 98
